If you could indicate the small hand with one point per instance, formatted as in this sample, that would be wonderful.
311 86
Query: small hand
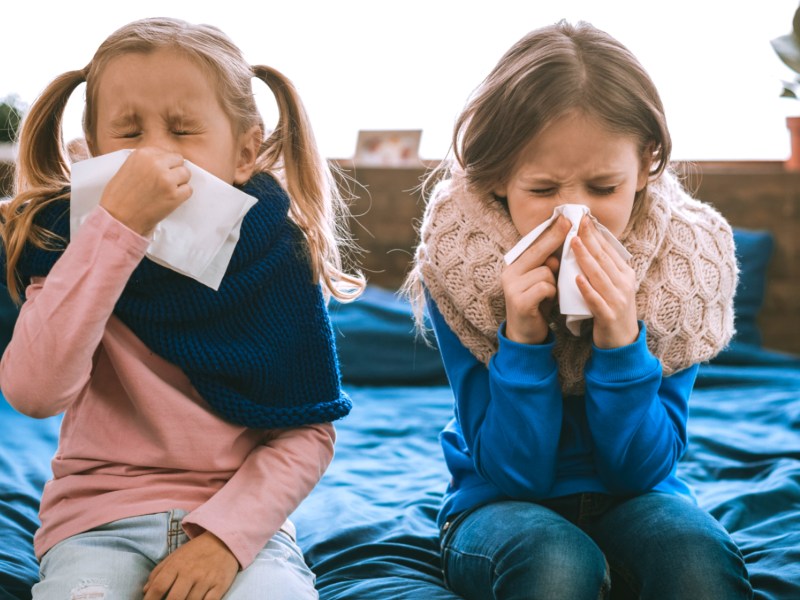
203 568
150 184
608 286
529 286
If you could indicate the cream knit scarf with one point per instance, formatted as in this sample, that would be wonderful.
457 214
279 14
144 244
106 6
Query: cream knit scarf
683 256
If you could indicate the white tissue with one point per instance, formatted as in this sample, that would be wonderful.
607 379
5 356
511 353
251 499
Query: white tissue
570 300
197 239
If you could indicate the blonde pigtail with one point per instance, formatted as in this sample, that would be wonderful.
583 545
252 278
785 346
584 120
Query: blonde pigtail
42 174
317 205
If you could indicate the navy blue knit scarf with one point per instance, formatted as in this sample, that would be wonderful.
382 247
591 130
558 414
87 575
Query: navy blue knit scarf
260 350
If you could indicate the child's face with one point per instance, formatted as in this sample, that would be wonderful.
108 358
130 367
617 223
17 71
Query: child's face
163 99
575 160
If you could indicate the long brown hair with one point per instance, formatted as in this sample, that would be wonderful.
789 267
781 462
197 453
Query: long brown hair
290 151
549 72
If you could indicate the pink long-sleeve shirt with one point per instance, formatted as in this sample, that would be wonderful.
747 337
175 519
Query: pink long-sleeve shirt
136 437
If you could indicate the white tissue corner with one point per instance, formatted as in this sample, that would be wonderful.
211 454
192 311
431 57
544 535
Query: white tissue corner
197 239
570 300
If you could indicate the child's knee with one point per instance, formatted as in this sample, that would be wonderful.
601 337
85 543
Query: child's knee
557 566
277 573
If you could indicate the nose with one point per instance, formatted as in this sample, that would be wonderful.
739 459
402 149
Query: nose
161 139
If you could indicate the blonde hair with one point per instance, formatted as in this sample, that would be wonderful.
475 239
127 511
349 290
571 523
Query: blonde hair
290 150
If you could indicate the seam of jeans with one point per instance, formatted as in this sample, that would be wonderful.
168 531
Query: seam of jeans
493 565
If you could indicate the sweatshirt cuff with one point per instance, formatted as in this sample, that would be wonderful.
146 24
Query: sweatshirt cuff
109 228
529 362
626 363
238 546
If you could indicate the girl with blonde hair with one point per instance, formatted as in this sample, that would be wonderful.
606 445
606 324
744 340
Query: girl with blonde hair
195 421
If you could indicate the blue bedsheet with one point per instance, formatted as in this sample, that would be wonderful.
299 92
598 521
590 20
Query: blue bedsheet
368 529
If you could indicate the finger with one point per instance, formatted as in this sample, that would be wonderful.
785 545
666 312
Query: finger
620 262
172 160
545 245
594 270
159 583
600 243
180 175
533 301
153 575
602 252
596 303
517 283
180 589
553 263
202 592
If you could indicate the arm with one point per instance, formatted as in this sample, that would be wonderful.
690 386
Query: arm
250 508
236 523
510 413
636 416
64 318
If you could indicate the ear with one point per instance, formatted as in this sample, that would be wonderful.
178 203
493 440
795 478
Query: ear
645 162
247 151
500 190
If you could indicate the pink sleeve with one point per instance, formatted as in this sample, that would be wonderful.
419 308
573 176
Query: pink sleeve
248 510
62 321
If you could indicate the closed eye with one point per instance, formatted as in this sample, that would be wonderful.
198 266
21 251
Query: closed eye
604 191
544 191
186 131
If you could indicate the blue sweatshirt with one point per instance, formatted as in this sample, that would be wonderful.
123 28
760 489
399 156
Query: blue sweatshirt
515 436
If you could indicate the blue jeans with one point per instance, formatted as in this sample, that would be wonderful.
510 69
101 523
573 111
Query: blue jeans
655 546
113 562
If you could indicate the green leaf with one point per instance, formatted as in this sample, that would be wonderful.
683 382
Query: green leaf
787 47
10 118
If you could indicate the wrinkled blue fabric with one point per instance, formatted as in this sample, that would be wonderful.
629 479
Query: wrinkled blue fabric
368 529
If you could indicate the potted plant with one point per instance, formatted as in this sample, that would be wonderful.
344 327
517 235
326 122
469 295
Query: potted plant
787 47
10 119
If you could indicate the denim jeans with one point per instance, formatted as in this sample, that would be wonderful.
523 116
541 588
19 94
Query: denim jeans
113 562
655 546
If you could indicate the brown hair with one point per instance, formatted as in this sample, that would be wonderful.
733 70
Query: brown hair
549 72
290 150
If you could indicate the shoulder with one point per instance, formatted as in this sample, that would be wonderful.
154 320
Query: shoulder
684 209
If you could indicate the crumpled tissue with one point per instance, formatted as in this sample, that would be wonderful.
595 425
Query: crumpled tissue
570 300
197 239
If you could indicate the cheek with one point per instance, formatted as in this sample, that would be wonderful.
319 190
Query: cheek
615 217
526 214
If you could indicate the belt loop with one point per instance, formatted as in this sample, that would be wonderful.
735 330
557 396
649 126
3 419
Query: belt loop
173 532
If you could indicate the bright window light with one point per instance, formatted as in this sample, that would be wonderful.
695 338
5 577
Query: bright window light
362 64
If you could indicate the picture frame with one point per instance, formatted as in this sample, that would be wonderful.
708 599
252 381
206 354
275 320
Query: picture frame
388 148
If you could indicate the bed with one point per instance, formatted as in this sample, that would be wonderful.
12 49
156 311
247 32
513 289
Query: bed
368 529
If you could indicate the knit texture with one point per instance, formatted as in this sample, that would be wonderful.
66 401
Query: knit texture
682 254
260 350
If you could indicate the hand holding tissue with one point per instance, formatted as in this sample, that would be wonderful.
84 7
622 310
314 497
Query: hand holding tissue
197 239
570 300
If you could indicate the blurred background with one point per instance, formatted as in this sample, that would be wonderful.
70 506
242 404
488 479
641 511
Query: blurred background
361 64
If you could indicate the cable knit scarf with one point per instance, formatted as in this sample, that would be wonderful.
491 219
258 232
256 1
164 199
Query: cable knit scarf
683 257
260 350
